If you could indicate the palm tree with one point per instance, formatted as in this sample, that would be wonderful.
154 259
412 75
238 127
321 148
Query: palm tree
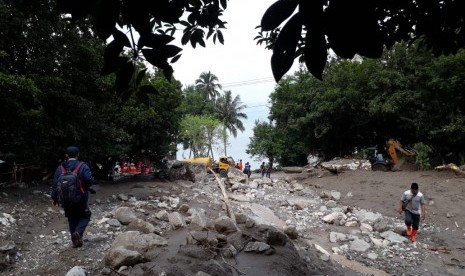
208 84
228 111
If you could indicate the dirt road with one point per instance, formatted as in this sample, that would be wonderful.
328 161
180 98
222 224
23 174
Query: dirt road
43 248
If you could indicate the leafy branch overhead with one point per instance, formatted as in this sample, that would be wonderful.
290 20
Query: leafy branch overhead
156 23
363 27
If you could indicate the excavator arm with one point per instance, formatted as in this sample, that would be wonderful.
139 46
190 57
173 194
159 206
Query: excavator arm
395 146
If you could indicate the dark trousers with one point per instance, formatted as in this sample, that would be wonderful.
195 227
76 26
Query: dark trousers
78 219
412 219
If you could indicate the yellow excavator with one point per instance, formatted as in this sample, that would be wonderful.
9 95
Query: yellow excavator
395 146
379 162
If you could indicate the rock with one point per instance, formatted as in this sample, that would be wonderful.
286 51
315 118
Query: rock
352 223
359 245
393 237
121 256
325 254
331 218
114 222
196 252
372 256
162 215
176 220
123 197
125 215
184 208
367 216
225 225
270 235
302 202
76 271
365 227
236 175
331 204
291 231
129 248
199 218
292 169
337 237
212 267
241 217
380 226
256 247
228 251
141 226
201 273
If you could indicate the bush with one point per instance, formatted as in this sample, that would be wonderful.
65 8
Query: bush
422 159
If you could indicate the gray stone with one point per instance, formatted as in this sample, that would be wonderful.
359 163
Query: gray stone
256 247
176 220
291 231
141 226
114 222
225 225
76 271
393 237
123 197
241 218
121 256
199 218
162 215
125 215
337 237
359 245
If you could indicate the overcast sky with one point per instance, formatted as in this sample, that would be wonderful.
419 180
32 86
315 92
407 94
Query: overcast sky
238 60
235 63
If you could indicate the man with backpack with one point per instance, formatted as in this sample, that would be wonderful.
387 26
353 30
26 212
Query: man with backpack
413 204
70 189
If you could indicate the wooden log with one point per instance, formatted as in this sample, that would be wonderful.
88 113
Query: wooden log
225 196
451 167
292 169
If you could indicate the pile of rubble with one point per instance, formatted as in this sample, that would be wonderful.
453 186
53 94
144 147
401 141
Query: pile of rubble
279 227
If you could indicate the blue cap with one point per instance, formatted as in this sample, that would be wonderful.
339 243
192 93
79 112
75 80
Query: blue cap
72 150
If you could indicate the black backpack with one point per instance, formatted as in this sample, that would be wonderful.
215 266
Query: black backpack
69 187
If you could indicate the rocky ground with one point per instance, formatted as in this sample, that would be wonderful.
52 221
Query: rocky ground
308 223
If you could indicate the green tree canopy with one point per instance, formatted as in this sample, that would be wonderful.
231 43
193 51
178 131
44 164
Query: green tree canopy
408 95
364 27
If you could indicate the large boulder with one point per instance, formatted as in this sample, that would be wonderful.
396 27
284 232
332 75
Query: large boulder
236 175
182 170
125 215
129 247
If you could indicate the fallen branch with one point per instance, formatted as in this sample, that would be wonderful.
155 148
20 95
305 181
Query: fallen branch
225 196
451 167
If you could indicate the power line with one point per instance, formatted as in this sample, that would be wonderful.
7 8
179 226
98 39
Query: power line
248 82
257 106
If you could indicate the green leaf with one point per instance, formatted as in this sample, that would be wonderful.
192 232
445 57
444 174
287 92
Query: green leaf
170 51
186 37
220 37
148 89
111 57
105 15
285 47
154 58
123 77
277 13
185 23
315 53
140 76
174 59
224 4
143 97
121 39
154 40
168 72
